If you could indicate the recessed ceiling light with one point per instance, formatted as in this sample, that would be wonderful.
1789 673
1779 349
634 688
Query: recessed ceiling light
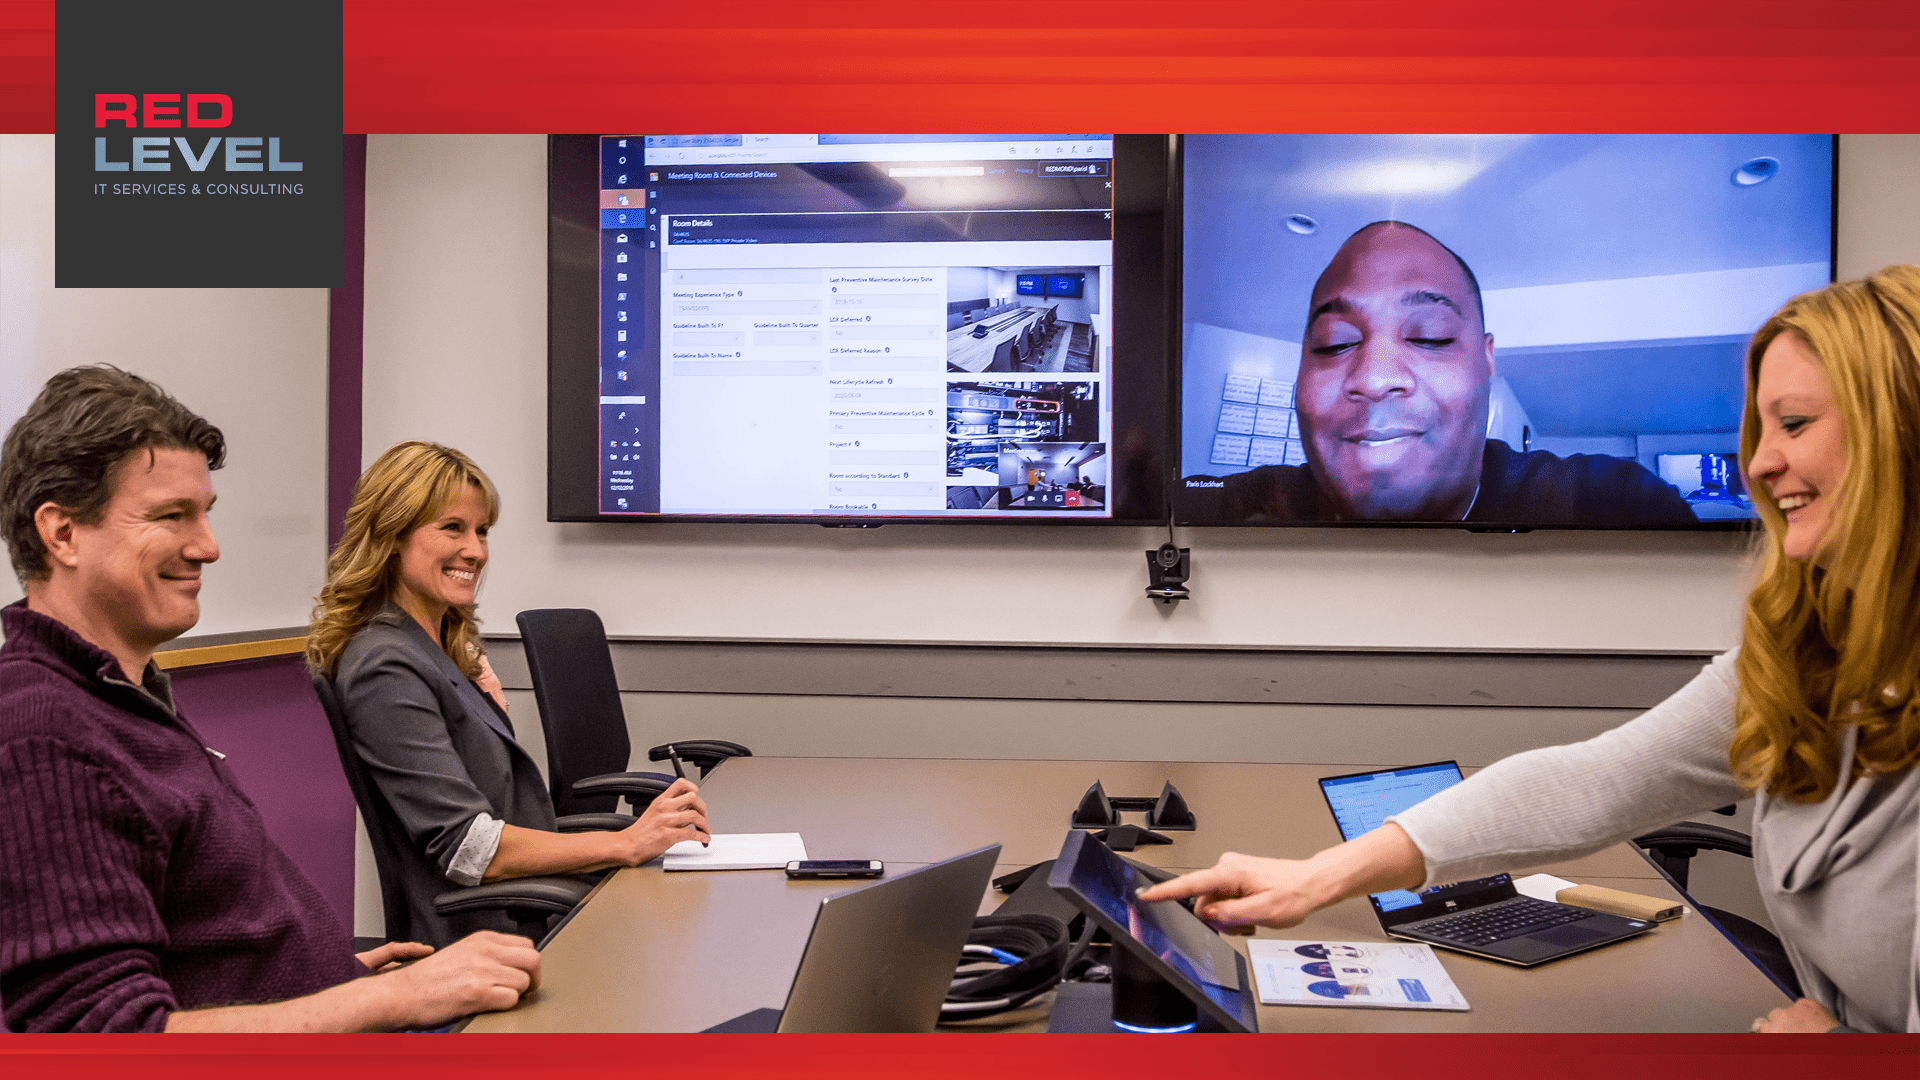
1302 224
1758 171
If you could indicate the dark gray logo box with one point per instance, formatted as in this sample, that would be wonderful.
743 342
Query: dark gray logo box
259 208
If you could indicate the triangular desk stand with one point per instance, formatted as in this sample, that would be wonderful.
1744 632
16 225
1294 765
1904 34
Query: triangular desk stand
1098 810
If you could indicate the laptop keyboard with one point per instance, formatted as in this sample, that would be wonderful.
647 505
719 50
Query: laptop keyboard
1510 918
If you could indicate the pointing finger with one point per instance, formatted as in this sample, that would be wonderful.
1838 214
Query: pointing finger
1210 881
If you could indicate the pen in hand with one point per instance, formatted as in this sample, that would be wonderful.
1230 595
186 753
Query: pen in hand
680 771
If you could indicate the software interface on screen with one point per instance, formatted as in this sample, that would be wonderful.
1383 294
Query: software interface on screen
1166 929
1522 328
1363 803
858 325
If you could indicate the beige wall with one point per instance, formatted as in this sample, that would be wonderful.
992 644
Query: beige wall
253 361
1879 218
456 280
455 351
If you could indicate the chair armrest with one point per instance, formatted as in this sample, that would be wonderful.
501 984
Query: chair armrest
706 753
576 823
638 787
1682 835
542 895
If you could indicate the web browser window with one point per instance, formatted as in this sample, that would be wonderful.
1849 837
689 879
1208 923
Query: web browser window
860 325
1364 802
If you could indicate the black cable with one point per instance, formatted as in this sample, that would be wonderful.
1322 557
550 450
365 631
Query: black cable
1025 955
1087 930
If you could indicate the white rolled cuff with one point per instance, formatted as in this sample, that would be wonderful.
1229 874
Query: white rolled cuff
476 852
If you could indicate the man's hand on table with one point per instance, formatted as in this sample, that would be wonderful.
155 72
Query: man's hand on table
482 972
394 953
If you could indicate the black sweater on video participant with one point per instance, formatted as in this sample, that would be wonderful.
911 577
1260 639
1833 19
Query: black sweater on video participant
1535 488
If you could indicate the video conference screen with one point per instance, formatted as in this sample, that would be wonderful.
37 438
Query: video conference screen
855 325
1503 330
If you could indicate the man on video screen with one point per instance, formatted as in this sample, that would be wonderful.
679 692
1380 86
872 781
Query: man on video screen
1396 372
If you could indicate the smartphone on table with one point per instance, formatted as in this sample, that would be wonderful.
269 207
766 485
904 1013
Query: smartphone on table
836 868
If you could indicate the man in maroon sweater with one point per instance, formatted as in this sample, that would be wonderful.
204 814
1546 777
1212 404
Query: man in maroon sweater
138 888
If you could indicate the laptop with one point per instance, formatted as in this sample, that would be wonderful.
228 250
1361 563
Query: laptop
881 958
1484 917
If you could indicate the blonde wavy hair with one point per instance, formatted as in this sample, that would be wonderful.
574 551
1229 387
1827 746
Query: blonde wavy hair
1835 642
408 486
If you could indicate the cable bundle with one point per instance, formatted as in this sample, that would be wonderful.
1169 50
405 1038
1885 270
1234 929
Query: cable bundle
1034 955
1023 957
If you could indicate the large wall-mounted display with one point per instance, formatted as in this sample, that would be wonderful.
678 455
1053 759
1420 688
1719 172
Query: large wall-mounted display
1501 331
857 328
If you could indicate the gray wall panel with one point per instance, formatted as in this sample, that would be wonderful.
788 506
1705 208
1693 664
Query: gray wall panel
1542 680
829 726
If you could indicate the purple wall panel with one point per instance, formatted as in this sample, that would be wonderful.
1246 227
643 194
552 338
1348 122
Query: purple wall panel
262 714
346 332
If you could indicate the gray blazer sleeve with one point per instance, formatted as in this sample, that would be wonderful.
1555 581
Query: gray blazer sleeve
401 733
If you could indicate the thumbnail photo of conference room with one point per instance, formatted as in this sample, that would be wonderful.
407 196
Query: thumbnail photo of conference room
1025 446
1544 329
1041 476
1013 319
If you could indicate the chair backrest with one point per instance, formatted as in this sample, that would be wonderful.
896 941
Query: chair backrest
383 827
1002 356
579 699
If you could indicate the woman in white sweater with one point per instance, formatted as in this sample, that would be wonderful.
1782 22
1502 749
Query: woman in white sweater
1816 714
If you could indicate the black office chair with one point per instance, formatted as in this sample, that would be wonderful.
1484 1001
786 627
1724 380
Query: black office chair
1002 356
587 745
532 902
1672 850
1042 348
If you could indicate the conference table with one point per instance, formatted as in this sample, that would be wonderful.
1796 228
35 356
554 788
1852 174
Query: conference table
653 951
975 354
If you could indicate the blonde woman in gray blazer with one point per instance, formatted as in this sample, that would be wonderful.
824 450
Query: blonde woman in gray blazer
395 630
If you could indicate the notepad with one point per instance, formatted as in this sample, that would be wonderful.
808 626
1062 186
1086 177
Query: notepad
736 851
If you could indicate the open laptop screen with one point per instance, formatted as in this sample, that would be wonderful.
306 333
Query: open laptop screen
1362 803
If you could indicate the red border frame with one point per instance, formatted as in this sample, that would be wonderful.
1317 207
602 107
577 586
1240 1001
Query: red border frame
1120 65
1106 65
806 1057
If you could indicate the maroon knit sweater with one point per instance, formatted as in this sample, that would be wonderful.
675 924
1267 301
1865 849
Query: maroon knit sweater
135 876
